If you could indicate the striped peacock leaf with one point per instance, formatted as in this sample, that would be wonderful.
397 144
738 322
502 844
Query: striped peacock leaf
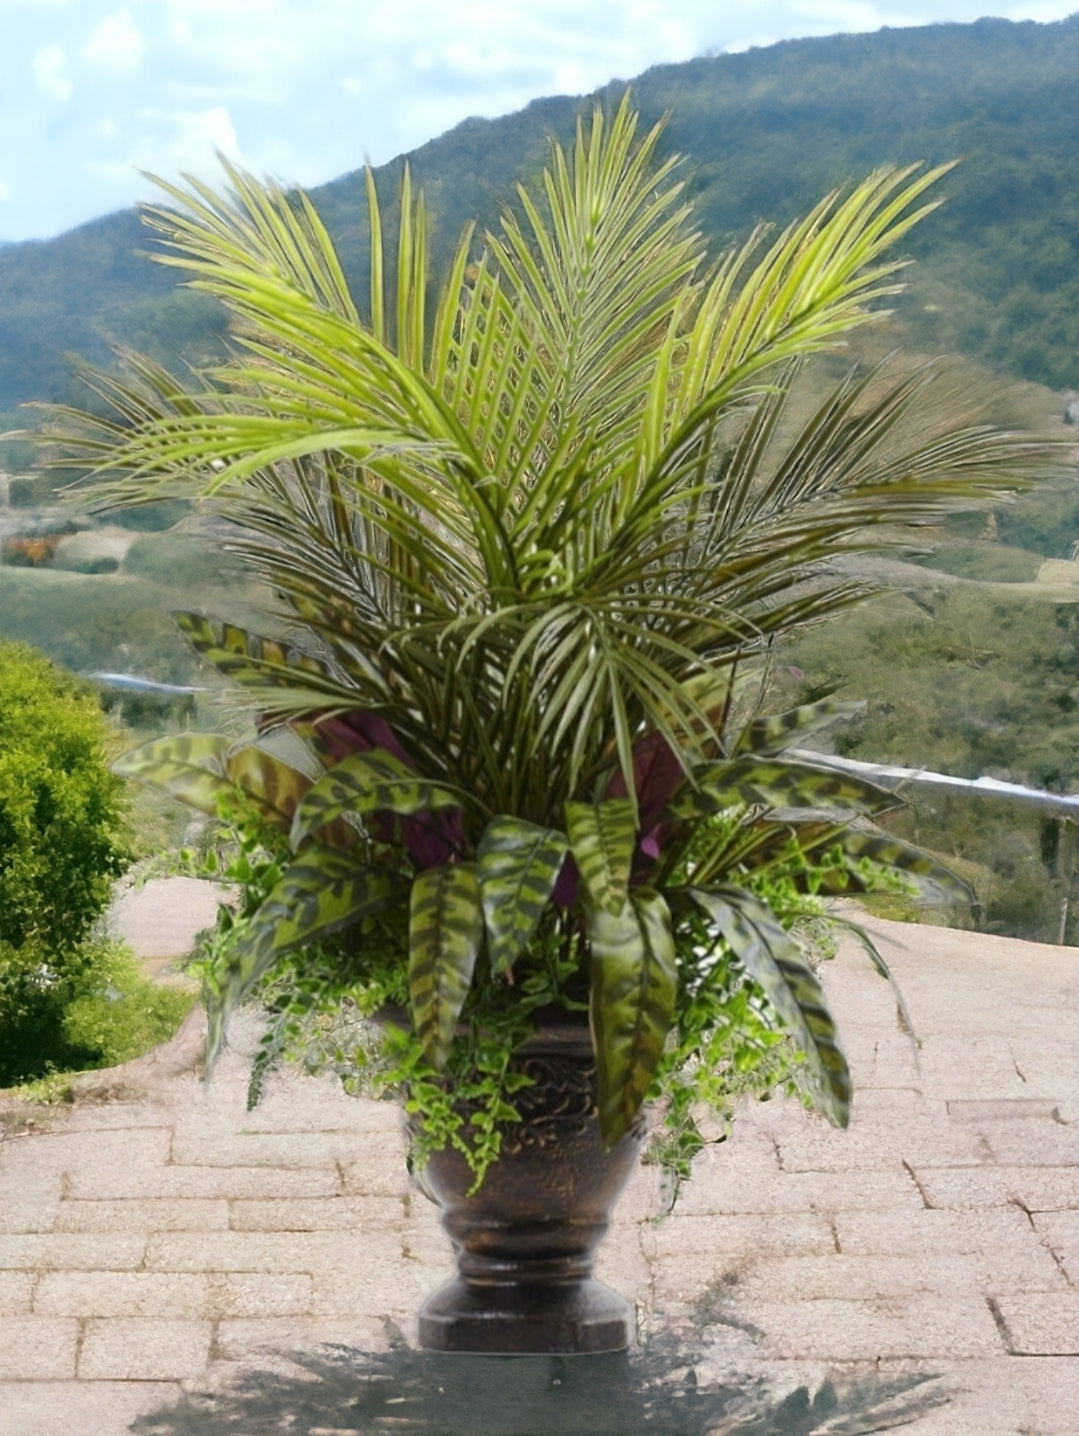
778 783
602 837
191 767
375 781
634 984
771 734
253 661
886 852
445 934
321 892
518 864
774 960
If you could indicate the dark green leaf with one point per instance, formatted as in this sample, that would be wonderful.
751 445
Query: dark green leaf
634 984
191 767
603 837
445 933
519 864
779 783
375 781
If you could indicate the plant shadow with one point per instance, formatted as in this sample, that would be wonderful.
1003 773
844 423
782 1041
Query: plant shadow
655 1389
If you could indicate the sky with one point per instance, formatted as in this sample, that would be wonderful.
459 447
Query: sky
93 92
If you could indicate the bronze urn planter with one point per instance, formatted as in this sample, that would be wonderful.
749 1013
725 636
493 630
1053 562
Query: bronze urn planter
526 1240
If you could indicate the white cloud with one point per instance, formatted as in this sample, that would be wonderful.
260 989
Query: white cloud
49 65
174 141
116 43
5 192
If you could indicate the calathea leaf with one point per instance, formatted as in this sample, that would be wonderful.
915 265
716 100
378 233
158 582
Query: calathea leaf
634 984
602 837
898 857
321 892
275 786
518 865
774 960
375 781
778 783
191 767
772 734
253 661
445 933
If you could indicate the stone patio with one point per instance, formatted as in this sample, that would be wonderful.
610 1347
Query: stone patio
172 1264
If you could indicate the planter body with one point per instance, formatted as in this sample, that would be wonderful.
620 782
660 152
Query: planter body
525 1242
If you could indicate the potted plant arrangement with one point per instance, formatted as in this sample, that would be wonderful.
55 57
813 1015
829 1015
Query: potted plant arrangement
531 543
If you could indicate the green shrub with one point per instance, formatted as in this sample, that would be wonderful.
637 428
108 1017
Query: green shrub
88 1007
61 840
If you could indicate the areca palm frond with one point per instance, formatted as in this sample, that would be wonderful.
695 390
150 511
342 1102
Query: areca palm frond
522 516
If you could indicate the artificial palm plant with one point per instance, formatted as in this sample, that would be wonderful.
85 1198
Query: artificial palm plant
527 535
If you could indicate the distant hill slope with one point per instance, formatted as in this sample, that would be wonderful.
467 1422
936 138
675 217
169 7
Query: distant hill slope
766 134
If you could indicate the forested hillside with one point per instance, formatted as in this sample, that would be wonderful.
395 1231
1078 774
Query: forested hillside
765 132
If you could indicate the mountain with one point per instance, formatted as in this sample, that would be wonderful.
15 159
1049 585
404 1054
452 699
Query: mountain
765 133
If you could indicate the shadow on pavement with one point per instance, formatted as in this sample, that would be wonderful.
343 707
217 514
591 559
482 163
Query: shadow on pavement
654 1389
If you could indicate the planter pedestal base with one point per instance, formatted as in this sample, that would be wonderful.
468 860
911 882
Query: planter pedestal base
525 1241
524 1319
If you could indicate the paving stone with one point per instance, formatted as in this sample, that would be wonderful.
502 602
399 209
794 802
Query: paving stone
1033 1143
733 1238
37 1348
16 1288
114 1293
294 1102
1060 1232
822 1148
918 1326
714 1190
377 1289
146 1214
1039 1189
76 1250
94 1408
227 1182
1018 1109
250 1340
1042 1323
144 1349
280 1150
377 1174
318 1214
839 1276
269 1251
1002 1232
134 1149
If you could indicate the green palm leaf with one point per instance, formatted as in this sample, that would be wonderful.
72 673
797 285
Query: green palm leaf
445 934
602 837
367 783
321 892
634 984
774 960
518 865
